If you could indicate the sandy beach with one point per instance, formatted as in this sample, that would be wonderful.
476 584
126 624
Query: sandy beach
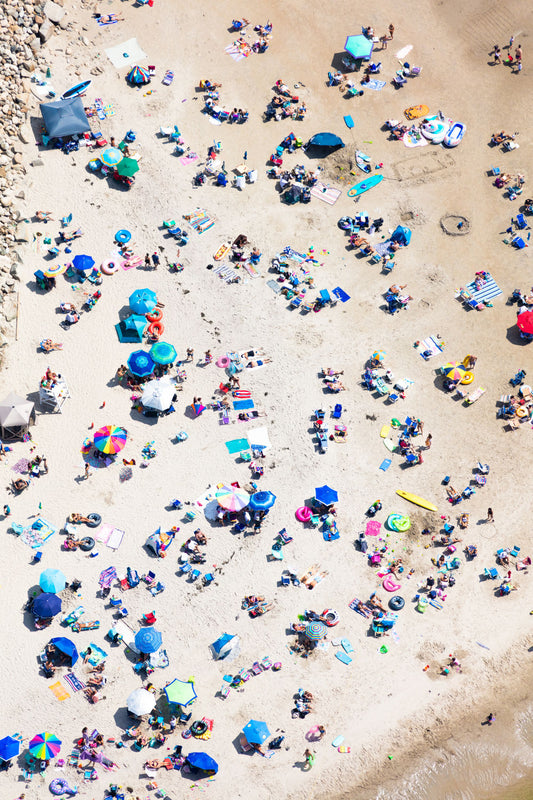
394 709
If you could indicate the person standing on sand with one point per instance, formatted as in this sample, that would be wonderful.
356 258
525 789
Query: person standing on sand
391 31
490 515
511 40
497 55
87 473
428 441
490 719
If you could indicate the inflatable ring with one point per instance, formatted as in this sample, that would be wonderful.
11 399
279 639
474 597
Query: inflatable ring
331 618
87 543
303 514
95 520
521 411
109 267
60 786
398 522
396 603
155 315
156 328
468 377
186 734
223 362
199 727
122 236
389 585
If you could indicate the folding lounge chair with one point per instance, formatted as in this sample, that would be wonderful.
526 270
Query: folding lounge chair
491 573
520 222
388 266
337 411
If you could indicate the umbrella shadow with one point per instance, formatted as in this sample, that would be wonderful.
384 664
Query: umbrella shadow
513 336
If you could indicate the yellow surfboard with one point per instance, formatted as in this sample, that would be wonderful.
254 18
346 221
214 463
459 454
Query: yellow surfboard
418 501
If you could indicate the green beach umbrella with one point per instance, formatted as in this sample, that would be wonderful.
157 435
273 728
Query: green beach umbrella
127 167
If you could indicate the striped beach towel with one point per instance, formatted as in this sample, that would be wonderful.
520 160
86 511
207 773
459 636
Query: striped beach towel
486 292
430 345
325 193
59 690
74 682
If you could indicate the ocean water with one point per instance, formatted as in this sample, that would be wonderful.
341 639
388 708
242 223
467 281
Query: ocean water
500 769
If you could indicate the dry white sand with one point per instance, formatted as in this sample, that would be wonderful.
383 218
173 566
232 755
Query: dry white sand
381 702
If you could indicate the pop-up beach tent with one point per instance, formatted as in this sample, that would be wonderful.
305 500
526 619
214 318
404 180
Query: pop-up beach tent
64 117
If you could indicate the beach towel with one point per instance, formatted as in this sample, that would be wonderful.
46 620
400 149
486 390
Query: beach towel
325 193
74 682
236 445
376 85
275 286
341 294
159 659
122 55
59 690
36 535
487 292
115 539
242 405
103 532
97 656
252 271
414 139
190 159
258 439
430 345
21 466
242 394
373 528
404 51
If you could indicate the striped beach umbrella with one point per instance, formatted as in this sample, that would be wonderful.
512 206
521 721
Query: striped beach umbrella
232 498
456 373
141 363
315 631
138 75
55 269
378 355
45 746
111 156
110 439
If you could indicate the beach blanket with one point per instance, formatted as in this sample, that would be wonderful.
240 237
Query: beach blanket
97 656
341 294
115 539
59 690
275 286
236 445
160 659
258 439
125 54
404 51
238 52
243 405
414 139
74 682
325 193
39 532
190 159
486 292
103 533
21 466
431 345
376 85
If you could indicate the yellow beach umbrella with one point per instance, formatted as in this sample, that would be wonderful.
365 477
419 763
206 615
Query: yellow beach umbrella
456 374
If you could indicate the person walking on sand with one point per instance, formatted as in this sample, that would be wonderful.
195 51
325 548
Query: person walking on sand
497 55
490 515
309 758
490 719
321 733
190 354
511 40
428 441
391 31
87 473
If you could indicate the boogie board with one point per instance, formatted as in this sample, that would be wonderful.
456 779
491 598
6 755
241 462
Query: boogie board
362 161
364 186
222 252
349 121
384 431
389 444
418 501
77 90
413 112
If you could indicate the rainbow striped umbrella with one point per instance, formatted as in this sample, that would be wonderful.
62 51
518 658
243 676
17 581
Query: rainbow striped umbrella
55 269
110 439
44 746
138 75
456 374
232 498
315 631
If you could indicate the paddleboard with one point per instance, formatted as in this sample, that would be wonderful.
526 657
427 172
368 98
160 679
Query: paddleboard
77 90
418 501
364 186
362 161
222 251
413 112
384 431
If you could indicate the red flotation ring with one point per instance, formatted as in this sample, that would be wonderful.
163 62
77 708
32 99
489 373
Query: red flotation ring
155 315
156 329
330 617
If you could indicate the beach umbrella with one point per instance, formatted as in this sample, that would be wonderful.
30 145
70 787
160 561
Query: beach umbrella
525 322
55 269
315 631
138 75
163 353
203 763
45 746
141 363
9 748
197 408
142 301
456 373
46 605
158 394
378 355
14 411
140 702
83 262
148 640
180 692
128 167
52 580
232 498
260 501
110 439
326 495
111 156
131 329
66 647
359 46
107 576
256 732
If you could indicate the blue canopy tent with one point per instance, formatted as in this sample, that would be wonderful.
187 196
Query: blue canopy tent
402 235
9 748
201 762
64 117
359 47
131 330
325 141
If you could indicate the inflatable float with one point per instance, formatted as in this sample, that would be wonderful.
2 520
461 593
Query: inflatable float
398 522
330 617
413 112
396 603
389 585
435 128
222 251
303 514
364 186
109 267
362 161
156 328
468 377
155 315
59 785
418 501
454 135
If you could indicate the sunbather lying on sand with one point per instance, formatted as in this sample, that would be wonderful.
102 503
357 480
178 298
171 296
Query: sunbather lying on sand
156 763
75 517
105 19
499 138
48 345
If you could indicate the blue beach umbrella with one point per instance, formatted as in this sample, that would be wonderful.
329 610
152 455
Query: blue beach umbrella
46 605
142 301
83 262
148 640
326 495
256 732
9 748
163 353
203 763
52 580
141 363
112 156
261 501
66 647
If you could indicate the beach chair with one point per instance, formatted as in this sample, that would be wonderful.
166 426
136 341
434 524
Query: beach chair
399 79
157 589
337 411
208 578
518 242
475 395
520 222
149 619
491 572
285 578
184 568
194 575
381 386
515 551
411 459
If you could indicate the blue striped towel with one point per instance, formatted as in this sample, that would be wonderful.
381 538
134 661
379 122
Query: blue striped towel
486 292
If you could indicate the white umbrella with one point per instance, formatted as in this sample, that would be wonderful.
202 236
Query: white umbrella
140 702
15 410
158 394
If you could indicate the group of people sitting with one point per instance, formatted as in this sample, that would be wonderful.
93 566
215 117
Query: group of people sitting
281 106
